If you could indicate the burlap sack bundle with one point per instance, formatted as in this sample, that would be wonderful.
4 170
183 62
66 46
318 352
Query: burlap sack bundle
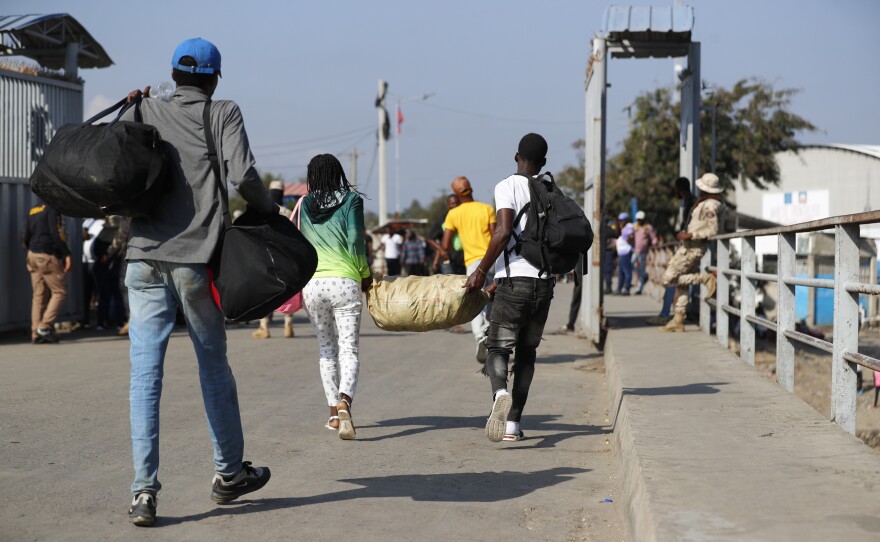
422 303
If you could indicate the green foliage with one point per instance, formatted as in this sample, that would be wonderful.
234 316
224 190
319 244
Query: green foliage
571 178
752 123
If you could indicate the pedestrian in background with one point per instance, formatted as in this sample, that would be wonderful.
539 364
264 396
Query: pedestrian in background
48 262
168 253
276 191
333 221
686 200
611 230
624 246
391 244
474 222
645 238
413 255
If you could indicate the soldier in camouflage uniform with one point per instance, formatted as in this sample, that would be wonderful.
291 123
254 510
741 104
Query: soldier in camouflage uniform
683 268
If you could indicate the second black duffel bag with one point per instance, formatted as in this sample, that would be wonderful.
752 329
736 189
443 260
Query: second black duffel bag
263 261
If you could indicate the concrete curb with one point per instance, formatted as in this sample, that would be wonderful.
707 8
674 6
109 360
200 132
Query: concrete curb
638 516
712 450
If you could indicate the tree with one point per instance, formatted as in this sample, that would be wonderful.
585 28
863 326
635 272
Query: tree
752 123
571 178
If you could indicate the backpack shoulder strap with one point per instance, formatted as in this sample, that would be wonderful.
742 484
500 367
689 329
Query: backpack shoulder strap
215 162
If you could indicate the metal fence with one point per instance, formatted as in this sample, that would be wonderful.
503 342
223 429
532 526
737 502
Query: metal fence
846 286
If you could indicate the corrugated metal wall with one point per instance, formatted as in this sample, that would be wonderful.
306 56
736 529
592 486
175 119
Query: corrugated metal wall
31 110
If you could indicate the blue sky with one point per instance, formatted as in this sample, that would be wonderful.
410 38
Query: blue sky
305 73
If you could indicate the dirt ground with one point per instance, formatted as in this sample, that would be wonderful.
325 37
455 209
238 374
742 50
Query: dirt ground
812 381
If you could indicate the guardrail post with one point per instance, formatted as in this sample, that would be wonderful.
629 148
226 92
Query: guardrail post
747 304
722 294
705 308
846 327
785 316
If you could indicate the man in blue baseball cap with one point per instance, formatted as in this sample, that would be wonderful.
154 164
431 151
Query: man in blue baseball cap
167 267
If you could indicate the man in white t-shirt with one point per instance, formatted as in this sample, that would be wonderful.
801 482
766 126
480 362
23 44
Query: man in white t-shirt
392 244
522 297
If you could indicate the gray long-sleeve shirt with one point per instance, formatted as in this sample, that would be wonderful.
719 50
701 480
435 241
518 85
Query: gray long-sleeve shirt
186 225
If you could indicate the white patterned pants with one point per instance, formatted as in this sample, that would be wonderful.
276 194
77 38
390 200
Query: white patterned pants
334 307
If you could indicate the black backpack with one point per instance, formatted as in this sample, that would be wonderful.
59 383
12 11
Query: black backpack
556 233
92 170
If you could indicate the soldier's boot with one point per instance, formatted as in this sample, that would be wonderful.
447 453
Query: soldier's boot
676 325
261 333
711 283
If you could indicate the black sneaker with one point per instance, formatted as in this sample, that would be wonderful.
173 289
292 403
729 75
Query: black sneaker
46 336
248 479
143 509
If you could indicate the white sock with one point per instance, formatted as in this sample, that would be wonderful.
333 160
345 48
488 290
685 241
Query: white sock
499 392
512 428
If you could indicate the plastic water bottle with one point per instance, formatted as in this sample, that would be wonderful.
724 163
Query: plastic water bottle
163 91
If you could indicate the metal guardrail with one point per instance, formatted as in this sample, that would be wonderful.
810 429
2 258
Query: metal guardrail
844 347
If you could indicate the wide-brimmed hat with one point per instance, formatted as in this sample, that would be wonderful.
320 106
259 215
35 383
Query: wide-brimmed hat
709 183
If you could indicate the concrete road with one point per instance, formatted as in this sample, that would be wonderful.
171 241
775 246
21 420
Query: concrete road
421 467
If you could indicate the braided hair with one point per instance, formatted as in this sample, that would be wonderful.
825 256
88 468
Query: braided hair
325 178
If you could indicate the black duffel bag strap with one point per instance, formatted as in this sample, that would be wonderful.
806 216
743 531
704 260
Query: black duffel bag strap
125 105
215 161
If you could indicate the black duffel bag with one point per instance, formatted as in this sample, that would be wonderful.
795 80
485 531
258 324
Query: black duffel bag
95 170
263 261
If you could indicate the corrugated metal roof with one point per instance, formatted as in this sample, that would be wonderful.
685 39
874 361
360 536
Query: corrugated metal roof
44 38
649 23
870 150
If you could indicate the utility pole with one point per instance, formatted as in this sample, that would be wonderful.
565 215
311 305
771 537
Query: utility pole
384 128
353 167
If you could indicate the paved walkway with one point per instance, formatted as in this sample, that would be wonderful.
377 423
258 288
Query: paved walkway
421 468
712 450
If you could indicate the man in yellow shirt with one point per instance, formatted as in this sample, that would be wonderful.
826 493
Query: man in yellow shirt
474 222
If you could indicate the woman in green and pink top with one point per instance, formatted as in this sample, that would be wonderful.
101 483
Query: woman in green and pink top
332 219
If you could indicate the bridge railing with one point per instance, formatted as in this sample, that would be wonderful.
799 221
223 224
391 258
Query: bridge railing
844 347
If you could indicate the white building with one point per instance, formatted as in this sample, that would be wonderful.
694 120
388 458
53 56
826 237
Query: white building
816 182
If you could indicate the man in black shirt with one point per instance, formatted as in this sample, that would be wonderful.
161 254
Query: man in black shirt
43 239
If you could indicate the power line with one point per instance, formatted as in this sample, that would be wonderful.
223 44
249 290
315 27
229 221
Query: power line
496 117
372 165
315 139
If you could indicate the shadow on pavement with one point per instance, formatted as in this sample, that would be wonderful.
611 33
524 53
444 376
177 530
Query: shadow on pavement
698 388
533 423
479 487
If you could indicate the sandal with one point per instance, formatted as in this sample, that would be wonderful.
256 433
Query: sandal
330 427
346 427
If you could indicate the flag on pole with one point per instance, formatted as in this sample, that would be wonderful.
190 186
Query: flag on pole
399 119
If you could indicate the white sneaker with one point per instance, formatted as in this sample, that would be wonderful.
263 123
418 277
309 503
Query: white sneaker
497 422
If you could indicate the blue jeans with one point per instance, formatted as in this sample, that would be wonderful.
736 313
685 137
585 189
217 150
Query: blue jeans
624 272
155 290
608 268
640 266
517 322
668 300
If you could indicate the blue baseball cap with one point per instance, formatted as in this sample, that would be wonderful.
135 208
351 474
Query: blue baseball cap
205 53
623 216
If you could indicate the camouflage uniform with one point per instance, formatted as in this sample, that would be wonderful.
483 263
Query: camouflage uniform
679 272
